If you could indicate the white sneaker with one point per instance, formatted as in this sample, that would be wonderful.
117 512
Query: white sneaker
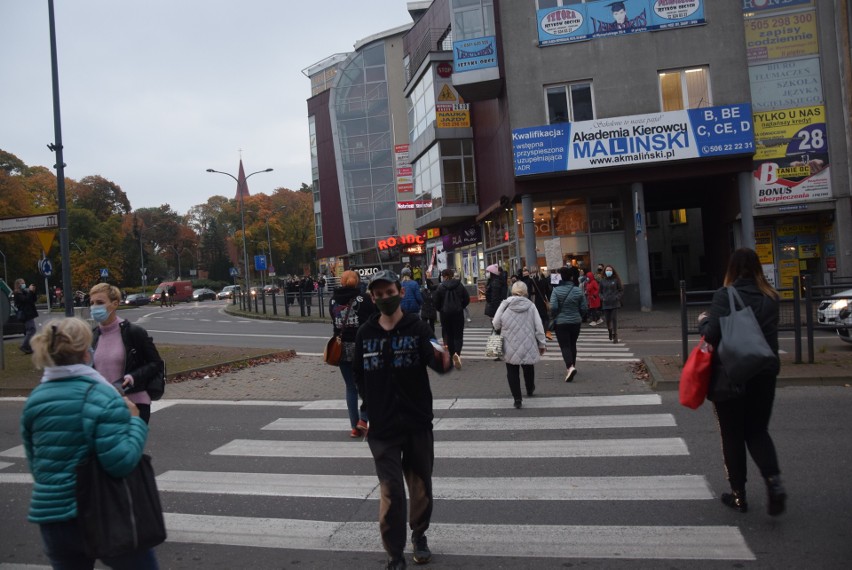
600 321
593 323
457 361
569 376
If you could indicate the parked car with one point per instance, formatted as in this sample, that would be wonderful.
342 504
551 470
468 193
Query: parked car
203 294
137 299
271 290
228 292
836 311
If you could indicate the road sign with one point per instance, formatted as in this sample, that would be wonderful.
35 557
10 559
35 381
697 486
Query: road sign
45 267
27 223
234 272
260 263
104 273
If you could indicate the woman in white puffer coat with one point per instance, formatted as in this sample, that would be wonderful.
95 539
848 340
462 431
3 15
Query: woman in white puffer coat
523 339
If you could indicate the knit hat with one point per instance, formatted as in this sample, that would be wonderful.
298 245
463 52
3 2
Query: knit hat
493 269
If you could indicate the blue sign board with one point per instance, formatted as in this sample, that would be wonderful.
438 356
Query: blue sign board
634 139
104 273
474 53
45 267
234 271
260 263
602 18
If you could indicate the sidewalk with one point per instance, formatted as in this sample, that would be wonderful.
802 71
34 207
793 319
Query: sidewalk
308 378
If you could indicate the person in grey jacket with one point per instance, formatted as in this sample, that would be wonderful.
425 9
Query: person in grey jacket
743 411
73 413
523 339
567 307
611 292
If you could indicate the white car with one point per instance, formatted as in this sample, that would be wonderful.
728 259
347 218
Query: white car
837 311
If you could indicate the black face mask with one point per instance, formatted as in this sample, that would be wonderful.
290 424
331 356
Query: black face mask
388 305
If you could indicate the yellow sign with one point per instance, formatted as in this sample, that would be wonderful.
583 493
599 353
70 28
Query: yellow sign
788 268
796 229
781 36
447 94
452 116
763 246
46 240
775 130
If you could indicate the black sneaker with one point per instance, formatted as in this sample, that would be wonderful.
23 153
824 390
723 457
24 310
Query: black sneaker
422 554
397 564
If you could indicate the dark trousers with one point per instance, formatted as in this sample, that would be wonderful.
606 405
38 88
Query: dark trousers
29 333
431 323
63 545
611 317
405 459
567 335
452 329
744 423
513 373
144 412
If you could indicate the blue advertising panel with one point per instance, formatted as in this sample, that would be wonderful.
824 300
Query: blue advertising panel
617 18
675 13
563 25
607 18
764 5
260 263
474 53
635 139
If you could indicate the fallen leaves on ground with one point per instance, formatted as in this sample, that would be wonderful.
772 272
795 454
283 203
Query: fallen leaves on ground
225 368
640 371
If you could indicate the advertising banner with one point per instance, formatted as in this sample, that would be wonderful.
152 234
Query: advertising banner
785 84
450 110
781 36
475 53
413 204
791 163
607 18
404 181
634 139
766 5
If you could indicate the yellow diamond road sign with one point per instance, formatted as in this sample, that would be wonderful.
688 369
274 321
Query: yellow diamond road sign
446 94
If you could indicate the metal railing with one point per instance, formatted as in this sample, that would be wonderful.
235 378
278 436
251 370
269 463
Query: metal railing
797 312
299 303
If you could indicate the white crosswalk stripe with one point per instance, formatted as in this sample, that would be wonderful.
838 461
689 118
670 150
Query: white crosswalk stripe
469 538
593 345
581 450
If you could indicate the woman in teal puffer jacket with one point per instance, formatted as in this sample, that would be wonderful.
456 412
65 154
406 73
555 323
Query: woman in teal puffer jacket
72 413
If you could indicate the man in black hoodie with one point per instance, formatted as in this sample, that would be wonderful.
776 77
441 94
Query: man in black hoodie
451 298
392 351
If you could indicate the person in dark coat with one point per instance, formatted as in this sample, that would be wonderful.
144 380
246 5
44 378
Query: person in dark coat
495 290
307 288
349 309
743 411
428 312
25 302
611 292
451 299
541 298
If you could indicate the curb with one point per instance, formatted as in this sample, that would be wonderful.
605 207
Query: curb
659 382
264 317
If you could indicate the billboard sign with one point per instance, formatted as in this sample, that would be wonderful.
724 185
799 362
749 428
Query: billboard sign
785 84
474 53
791 163
634 139
604 18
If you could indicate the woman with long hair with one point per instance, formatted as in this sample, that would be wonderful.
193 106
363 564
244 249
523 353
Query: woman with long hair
349 309
743 410
125 353
567 307
611 291
74 413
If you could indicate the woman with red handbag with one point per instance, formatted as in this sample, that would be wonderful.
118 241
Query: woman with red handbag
743 411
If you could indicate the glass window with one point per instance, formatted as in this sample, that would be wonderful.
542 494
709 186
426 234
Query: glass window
472 19
605 214
570 102
685 89
421 106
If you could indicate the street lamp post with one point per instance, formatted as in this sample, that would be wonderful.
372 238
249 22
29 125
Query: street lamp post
142 257
242 219
177 255
268 240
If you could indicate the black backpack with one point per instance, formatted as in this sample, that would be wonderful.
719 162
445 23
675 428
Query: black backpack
452 301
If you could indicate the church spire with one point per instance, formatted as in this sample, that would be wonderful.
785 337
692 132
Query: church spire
242 185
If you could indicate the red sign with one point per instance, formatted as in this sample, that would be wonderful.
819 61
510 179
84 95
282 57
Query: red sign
408 239
444 69
831 264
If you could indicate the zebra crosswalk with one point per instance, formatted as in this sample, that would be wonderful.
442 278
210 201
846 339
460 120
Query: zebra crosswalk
593 345
493 469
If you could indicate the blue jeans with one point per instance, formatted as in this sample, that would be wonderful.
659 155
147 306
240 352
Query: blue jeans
29 333
352 395
63 544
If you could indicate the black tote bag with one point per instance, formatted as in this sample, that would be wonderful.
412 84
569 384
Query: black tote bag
118 515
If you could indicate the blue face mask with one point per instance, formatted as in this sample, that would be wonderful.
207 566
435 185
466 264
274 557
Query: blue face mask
99 313
609 273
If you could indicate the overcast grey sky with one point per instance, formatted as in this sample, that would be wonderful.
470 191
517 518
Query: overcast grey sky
154 92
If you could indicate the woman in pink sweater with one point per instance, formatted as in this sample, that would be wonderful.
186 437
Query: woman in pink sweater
124 353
